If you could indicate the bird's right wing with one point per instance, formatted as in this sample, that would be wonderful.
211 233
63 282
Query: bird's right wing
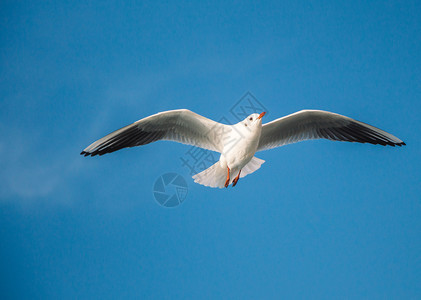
182 125
318 124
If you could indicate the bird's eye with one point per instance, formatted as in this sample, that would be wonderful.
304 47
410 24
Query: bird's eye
245 125
251 119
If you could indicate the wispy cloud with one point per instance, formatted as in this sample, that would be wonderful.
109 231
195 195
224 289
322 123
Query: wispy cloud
25 175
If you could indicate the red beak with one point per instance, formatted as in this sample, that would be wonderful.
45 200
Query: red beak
261 115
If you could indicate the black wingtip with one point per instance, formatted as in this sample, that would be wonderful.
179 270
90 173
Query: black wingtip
85 153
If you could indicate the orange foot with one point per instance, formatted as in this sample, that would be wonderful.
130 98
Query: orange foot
227 182
234 182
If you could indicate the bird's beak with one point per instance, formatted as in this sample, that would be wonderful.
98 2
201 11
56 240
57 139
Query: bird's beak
261 115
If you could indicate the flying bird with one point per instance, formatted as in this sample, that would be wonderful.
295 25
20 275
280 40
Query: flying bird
239 142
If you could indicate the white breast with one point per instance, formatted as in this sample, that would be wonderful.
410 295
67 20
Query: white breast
240 146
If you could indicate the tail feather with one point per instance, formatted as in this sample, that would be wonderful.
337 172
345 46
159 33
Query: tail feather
215 176
253 165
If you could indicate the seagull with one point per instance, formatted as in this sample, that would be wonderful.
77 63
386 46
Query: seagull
238 143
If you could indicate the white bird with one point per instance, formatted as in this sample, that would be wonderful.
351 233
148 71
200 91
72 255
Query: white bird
239 142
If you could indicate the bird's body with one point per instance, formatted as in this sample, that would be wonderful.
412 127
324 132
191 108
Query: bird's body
246 139
240 145
239 142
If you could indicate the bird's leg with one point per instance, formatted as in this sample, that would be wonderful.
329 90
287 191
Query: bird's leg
227 182
234 182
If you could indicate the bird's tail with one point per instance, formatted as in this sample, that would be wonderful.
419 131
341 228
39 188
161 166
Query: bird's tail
253 165
215 176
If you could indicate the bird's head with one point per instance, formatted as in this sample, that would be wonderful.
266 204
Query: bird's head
254 120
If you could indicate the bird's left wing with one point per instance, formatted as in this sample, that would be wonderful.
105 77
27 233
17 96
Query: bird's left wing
318 124
182 125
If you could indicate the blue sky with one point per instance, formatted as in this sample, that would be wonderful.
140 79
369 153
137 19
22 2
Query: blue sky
320 219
